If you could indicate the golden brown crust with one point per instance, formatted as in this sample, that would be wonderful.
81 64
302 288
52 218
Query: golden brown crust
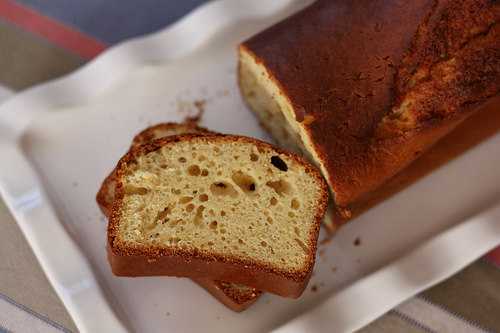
153 132
106 194
382 81
140 260
479 127
236 299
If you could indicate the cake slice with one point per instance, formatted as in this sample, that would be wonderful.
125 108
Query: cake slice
363 88
234 296
222 207
106 194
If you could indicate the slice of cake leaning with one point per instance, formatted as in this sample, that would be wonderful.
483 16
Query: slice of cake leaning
363 88
221 207
234 296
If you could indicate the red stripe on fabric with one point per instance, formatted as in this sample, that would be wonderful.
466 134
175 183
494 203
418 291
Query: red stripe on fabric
57 33
494 256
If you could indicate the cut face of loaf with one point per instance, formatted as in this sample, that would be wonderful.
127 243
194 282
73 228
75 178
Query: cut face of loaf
234 296
363 89
223 207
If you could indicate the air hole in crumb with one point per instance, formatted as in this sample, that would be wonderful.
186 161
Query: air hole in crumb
263 243
270 220
203 197
204 172
163 166
210 243
185 200
163 214
302 245
216 149
134 190
223 188
254 157
295 204
274 201
280 186
211 212
291 214
297 231
201 158
222 213
222 231
279 163
194 170
240 241
236 157
182 159
213 225
189 208
244 181
223 238
198 218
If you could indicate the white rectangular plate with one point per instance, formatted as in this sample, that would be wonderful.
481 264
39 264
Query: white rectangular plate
58 141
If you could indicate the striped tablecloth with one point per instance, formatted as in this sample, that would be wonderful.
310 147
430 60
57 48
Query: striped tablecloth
41 40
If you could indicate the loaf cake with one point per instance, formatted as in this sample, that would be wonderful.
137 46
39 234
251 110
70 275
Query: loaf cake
234 296
222 207
363 88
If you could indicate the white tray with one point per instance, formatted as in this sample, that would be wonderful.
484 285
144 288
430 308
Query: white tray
58 141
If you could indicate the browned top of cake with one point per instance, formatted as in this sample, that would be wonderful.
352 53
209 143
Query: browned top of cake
381 80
